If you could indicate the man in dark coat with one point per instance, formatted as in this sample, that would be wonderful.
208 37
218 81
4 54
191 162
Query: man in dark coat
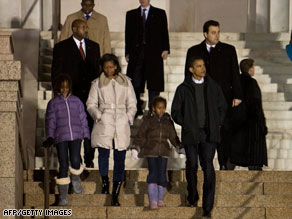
79 58
147 45
249 140
222 65
199 107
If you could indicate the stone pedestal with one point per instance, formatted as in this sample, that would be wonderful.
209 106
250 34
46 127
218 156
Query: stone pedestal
12 156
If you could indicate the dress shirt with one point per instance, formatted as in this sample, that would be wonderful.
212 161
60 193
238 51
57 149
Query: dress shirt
209 47
146 12
78 44
198 81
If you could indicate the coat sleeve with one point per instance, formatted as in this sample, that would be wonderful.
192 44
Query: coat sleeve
131 103
106 39
176 107
164 32
173 138
83 119
236 87
254 101
221 103
97 63
128 34
66 30
140 138
187 63
92 103
57 63
50 123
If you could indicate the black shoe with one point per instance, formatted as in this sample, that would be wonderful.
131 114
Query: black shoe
115 193
193 204
105 185
89 164
223 167
206 214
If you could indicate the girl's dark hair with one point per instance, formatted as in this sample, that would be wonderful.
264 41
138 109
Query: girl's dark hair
58 83
246 64
157 100
111 58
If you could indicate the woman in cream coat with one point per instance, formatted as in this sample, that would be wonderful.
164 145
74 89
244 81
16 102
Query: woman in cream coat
112 105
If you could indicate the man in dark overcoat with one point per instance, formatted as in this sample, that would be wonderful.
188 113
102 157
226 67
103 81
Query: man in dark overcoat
249 148
222 65
199 107
147 45
79 58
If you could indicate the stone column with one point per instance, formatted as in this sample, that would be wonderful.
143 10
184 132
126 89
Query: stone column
279 15
11 164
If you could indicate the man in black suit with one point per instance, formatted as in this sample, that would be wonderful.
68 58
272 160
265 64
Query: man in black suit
79 58
147 45
222 65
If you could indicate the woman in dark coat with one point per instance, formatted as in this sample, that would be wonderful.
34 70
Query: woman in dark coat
249 141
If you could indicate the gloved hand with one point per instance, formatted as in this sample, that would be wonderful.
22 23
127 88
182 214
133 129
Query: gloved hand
49 142
180 151
86 143
134 154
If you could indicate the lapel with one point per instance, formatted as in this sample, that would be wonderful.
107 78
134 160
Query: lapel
150 17
88 49
74 48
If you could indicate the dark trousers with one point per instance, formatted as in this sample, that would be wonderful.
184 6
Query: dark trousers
119 163
157 170
139 79
223 150
206 152
74 150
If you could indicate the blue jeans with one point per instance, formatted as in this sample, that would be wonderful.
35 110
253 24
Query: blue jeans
119 163
74 150
157 170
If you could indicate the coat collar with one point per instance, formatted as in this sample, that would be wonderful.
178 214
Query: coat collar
81 15
104 81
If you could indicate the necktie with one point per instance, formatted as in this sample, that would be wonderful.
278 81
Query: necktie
81 51
144 25
87 16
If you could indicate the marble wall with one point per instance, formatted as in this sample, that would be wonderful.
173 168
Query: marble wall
183 15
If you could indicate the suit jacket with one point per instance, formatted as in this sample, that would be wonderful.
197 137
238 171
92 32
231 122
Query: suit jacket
157 41
98 30
221 65
67 59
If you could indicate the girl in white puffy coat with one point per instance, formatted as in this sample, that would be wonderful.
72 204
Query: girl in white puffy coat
112 105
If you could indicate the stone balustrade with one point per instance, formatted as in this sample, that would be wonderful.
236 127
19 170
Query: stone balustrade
12 154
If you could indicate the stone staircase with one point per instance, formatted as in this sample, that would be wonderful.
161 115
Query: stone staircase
239 195
273 73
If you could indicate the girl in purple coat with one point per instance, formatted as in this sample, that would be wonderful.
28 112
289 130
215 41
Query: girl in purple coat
66 126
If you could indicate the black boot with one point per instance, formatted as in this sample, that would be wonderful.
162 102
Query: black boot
105 185
115 193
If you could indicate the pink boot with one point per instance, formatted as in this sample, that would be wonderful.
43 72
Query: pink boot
153 195
161 192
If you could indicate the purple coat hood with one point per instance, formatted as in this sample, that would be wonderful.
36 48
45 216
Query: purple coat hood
66 119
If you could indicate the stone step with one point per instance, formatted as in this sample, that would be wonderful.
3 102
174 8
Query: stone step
168 69
277 106
178 176
239 44
241 52
170 213
171 200
281 36
132 187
